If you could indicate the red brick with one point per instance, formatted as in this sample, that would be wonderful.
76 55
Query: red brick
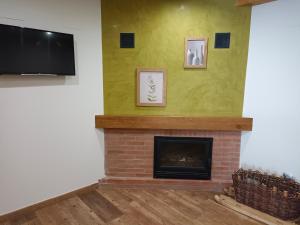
129 153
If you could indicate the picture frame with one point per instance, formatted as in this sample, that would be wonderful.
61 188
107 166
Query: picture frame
195 53
151 87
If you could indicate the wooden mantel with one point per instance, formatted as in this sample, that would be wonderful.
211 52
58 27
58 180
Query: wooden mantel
251 2
175 123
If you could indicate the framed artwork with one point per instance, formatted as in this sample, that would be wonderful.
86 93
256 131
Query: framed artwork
151 87
195 53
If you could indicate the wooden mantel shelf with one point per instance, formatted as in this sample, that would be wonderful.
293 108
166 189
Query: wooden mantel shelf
175 123
251 2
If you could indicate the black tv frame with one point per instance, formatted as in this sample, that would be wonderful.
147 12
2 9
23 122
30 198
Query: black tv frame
22 54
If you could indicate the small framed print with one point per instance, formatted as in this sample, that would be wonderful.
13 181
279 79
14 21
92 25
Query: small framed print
151 87
195 54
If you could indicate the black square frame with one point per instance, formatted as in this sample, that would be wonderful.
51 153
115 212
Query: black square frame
127 40
222 40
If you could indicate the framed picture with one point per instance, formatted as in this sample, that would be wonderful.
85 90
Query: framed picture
195 54
151 87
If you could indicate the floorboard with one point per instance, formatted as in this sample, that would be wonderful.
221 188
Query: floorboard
101 206
113 206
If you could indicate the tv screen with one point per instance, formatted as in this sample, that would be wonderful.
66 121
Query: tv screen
10 49
32 51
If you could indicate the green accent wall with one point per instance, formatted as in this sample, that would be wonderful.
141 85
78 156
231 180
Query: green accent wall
160 27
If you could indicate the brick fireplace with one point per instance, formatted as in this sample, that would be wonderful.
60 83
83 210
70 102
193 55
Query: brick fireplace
129 157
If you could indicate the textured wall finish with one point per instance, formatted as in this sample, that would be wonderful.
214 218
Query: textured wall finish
272 89
48 142
160 28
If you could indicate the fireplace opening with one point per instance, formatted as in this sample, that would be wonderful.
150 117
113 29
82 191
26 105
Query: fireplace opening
182 157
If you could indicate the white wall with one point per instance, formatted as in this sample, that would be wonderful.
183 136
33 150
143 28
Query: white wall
272 95
48 143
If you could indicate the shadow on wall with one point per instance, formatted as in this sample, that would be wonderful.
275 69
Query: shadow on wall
11 81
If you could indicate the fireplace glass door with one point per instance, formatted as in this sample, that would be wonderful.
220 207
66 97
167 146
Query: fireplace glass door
182 157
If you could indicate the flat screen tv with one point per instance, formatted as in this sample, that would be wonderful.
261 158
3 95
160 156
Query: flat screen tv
31 51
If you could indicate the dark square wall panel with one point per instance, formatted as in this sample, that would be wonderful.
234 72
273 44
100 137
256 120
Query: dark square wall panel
126 40
222 40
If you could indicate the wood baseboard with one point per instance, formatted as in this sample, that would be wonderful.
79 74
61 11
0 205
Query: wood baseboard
17 213
150 183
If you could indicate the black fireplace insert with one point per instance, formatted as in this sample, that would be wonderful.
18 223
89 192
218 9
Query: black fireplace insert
182 157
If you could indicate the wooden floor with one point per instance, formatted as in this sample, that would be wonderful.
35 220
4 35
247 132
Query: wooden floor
135 207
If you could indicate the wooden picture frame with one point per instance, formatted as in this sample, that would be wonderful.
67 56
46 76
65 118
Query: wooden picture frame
195 53
151 87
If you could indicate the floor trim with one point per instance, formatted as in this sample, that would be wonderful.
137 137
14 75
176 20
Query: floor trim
28 209
146 182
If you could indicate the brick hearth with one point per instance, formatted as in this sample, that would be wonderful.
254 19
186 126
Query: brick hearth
129 158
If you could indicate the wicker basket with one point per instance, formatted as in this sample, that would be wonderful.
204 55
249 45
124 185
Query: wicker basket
277 196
